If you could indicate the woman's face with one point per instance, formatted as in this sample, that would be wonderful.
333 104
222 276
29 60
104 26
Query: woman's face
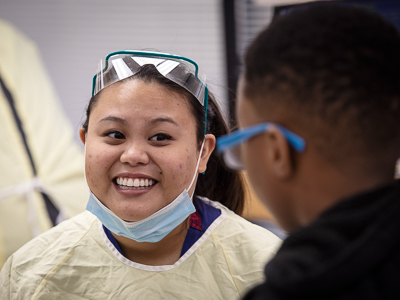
141 148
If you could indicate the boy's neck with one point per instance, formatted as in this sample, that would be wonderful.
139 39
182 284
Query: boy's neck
323 185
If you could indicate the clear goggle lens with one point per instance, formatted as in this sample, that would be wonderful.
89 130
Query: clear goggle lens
123 64
232 158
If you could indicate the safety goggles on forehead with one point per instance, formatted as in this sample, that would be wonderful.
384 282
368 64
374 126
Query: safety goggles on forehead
123 64
229 145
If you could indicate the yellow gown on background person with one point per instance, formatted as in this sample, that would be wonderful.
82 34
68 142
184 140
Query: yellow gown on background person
49 137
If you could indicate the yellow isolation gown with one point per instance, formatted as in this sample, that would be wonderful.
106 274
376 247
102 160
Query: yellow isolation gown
75 260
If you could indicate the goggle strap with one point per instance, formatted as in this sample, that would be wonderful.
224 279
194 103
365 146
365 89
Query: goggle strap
205 109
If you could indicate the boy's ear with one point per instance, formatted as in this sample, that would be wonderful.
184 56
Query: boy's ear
82 135
278 154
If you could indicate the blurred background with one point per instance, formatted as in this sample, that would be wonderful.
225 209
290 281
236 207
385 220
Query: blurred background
72 36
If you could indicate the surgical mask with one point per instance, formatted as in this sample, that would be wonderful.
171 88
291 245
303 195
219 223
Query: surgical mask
155 227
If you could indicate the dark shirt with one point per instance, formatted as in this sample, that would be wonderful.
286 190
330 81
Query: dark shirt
352 251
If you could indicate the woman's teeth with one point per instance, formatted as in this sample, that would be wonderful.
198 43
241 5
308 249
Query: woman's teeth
141 183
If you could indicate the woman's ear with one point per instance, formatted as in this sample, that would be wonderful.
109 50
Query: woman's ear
208 148
278 154
82 135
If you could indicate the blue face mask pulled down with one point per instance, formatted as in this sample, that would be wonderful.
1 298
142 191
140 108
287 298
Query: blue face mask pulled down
155 227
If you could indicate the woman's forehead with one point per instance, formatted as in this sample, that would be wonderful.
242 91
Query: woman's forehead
138 90
135 98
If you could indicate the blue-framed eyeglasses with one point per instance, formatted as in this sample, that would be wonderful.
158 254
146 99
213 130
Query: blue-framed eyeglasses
229 144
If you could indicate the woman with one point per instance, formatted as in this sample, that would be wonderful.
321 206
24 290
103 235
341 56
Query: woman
147 137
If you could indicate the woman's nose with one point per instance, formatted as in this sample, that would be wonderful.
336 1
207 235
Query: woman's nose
135 154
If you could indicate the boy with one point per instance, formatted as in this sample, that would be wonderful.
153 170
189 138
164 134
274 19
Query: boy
322 86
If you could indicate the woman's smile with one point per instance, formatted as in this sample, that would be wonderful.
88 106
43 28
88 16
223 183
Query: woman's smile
136 183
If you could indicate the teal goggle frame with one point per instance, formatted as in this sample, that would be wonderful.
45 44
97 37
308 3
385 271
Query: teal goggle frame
181 70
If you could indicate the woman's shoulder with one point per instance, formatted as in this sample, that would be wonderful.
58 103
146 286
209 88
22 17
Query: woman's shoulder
53 243
247 247
237 226
29 265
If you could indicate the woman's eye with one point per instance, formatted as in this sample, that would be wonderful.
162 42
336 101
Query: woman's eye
161 137
115 135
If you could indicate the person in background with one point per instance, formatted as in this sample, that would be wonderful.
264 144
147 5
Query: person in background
41 166
162 220
319 112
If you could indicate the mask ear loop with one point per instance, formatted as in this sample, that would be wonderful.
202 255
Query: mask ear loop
197 167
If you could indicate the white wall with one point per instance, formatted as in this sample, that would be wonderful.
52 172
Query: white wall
73 35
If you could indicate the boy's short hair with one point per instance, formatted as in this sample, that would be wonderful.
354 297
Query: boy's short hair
334 72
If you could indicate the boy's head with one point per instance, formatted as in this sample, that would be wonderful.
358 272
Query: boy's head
331 74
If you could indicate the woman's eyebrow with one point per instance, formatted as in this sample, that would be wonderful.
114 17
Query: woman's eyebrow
114 119
163 120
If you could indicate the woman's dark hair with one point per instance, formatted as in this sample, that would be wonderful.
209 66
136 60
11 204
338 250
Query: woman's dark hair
218 183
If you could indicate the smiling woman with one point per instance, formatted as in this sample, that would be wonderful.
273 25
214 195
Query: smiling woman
139 131
154 228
